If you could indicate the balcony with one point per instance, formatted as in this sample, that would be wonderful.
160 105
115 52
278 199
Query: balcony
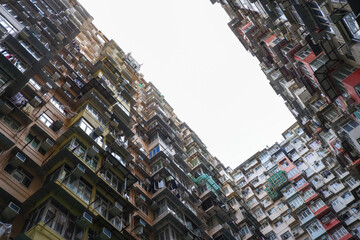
338 204
317 182
329 221
316 232
266 230
321 211
336 187
309 215
42 231
348 198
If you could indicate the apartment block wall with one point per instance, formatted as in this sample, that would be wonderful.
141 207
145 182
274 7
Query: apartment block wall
89 149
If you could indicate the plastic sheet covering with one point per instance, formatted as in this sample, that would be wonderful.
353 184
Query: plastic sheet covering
5 230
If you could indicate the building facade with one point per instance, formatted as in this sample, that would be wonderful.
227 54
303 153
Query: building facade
308 50
89 149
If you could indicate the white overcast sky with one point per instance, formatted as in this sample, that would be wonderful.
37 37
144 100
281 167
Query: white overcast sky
194 59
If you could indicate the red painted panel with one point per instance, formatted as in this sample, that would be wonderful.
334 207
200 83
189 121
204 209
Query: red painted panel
350 82
334 222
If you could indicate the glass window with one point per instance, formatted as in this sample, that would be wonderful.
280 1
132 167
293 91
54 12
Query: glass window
44 118
304 214
352 25
154 151
85 126
20 174
11 123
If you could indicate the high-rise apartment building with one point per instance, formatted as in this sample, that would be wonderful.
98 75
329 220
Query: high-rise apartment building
90 150
309 51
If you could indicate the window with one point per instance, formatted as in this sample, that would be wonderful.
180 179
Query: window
292 173
30 49
314 227
271 211
244 230
352 25
20 174
339 233
35 84
296 202
11 123
305 214
349 126
6 26
85 126
278 223
44 118
287 191
78 148
271 236
143 208
101 205
317 205
233 202
58 105
110 178
286 235
154 151
300 183
57 218
284 164
308 193
351 181
226 191
303 53
96 114
92 161
335 202
34 142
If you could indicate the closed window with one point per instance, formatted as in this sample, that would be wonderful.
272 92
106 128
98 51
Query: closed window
44 118
11 123
19 174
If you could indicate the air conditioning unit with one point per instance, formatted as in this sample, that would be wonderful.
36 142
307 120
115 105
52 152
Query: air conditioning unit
98 131
10 211
35 101
17 160
79 170
116 209
92 151
104 234
5 108
295 232
139 230
84 221
57 125
66 86
47 144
